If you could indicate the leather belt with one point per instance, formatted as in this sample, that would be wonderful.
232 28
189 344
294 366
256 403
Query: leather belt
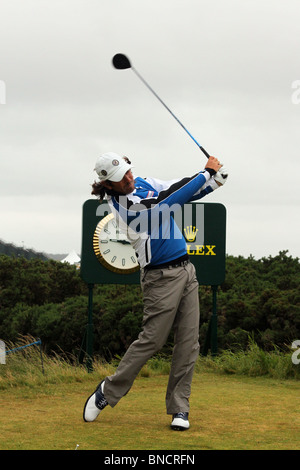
176 263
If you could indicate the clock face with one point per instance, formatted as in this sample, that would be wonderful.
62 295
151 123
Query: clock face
112 247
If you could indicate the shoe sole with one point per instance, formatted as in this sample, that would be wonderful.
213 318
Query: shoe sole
179 428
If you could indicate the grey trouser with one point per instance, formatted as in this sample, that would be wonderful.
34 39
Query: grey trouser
170 298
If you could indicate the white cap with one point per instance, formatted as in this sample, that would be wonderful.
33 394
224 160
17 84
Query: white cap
110 166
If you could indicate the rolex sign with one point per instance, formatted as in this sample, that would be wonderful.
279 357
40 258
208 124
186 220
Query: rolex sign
103 261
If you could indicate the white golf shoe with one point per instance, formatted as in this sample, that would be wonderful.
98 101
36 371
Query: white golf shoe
94 404
180 421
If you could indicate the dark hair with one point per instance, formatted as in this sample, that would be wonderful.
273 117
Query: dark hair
99 190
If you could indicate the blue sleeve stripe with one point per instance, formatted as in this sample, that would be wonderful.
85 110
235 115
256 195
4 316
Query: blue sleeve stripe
178 193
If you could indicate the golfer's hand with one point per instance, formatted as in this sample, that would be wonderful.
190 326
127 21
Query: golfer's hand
213 164
221 176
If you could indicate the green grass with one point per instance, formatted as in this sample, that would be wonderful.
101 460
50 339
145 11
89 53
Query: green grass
232 410
254 362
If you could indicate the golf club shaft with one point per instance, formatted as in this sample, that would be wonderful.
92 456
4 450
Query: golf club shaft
168 109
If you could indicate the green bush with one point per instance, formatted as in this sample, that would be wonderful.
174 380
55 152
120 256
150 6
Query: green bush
258 297
48 299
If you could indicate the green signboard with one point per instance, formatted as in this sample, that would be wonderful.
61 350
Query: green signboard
106 259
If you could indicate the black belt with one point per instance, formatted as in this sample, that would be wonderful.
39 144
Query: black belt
175 263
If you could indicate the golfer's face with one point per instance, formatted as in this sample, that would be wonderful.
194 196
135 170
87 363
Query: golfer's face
126 185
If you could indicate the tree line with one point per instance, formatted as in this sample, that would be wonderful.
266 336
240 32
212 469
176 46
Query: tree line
10 249
48 299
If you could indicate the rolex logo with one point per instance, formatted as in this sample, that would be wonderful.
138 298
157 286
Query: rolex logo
190 233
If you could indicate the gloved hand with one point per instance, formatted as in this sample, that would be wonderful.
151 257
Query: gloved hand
221 176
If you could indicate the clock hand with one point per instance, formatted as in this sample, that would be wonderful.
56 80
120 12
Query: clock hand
124 242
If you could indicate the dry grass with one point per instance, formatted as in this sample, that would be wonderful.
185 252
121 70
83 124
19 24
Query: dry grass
226 413
44 411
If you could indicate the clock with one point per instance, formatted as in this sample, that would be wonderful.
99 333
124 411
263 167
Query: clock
112 247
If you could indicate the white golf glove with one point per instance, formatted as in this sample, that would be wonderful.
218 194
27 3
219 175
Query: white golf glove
221 176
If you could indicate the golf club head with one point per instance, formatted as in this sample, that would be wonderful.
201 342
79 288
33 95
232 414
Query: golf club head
120 61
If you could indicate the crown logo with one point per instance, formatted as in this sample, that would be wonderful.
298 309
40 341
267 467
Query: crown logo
190 233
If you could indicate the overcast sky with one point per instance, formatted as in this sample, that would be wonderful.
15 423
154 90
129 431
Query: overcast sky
226 68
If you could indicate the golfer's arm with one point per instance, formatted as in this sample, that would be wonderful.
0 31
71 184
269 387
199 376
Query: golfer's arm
179 192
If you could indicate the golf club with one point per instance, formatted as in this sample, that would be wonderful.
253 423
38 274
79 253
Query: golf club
121 62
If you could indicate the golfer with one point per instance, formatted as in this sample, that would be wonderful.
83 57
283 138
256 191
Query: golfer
141 207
